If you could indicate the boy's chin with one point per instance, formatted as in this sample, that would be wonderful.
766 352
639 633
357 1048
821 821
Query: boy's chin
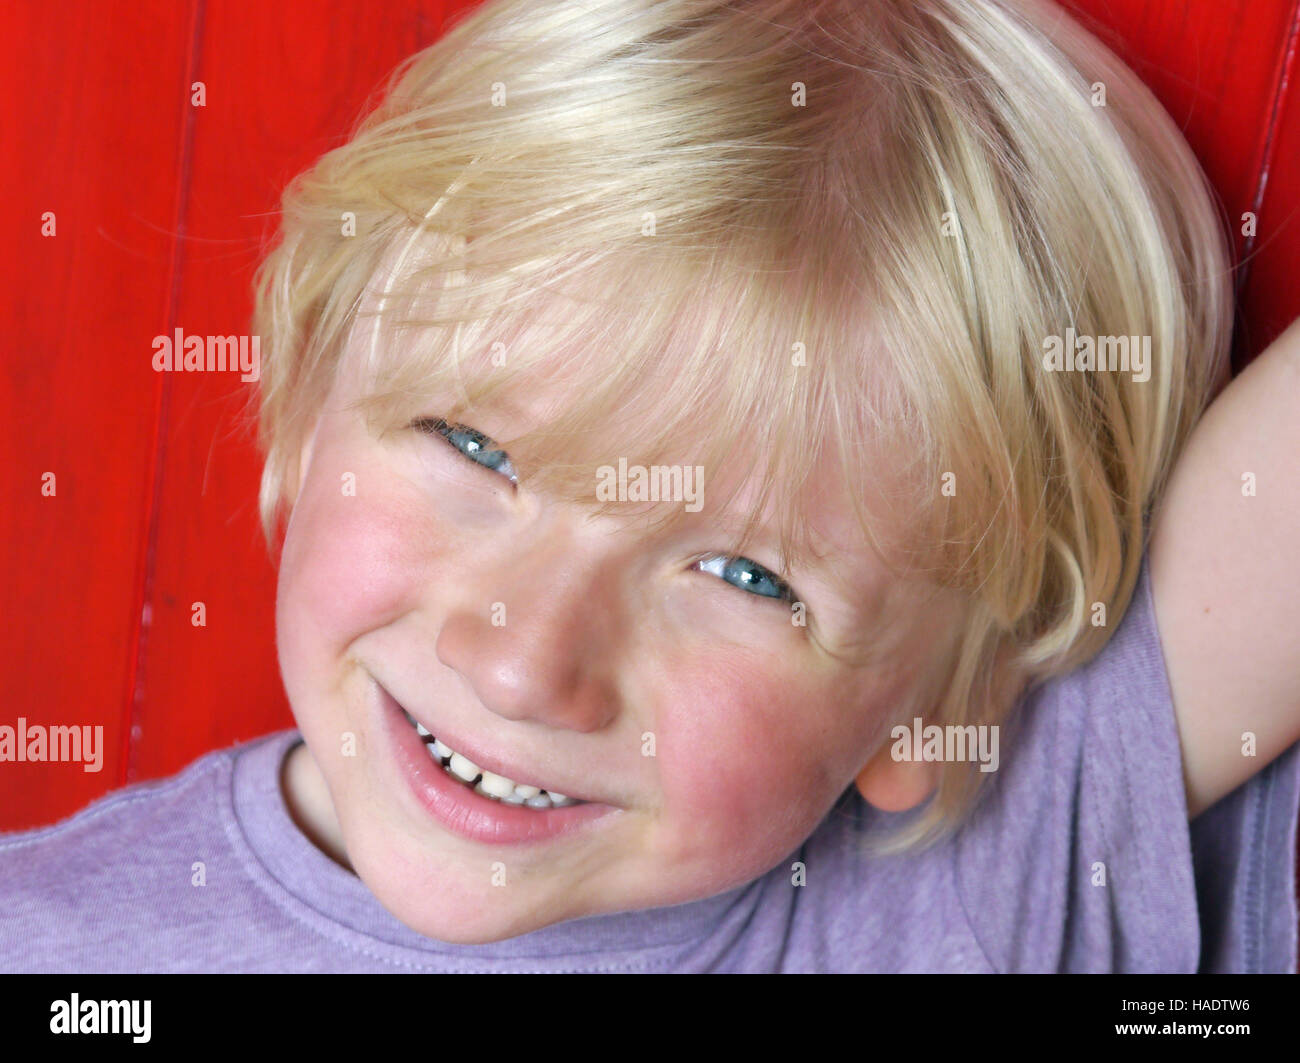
456 926
460 919
446 907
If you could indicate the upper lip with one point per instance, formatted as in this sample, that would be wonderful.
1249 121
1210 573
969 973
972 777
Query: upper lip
485 761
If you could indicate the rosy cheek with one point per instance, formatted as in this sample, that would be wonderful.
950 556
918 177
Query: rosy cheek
744 759
349 562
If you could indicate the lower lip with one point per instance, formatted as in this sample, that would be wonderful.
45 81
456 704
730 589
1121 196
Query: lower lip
461 810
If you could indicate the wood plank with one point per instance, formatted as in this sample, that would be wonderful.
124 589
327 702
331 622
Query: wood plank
1216 65
91 120
1270 299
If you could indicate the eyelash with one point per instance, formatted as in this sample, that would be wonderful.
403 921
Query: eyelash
437 426
727 562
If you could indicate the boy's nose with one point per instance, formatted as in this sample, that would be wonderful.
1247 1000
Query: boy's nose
549 654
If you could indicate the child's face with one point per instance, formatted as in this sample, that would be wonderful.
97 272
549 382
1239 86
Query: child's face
707 731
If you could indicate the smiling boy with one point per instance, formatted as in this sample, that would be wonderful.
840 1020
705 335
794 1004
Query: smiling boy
813 250
609 643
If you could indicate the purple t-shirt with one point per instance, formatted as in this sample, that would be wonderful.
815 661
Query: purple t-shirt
1094 778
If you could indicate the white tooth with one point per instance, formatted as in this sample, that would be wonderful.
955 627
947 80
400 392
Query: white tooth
512 798
463 767
538 802
496 785
526 791
423 730
442 749
557 798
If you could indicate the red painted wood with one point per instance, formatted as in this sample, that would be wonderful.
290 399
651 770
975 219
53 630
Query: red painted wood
1216 66
89 118
1271 295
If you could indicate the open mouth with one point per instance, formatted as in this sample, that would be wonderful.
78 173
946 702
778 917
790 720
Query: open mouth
485 783
477 805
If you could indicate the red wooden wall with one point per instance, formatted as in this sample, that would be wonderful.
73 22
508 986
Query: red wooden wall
161 209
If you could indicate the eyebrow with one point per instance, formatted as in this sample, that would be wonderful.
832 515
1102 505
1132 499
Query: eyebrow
764 534
501 406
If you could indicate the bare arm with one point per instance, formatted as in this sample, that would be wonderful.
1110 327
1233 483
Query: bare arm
1225 577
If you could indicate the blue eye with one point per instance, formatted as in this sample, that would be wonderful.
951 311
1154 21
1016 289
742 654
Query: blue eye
747 575
472 444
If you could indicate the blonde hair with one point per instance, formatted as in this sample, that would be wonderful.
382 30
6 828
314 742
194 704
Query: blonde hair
796 224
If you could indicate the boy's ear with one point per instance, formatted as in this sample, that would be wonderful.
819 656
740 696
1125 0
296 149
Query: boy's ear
896 785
